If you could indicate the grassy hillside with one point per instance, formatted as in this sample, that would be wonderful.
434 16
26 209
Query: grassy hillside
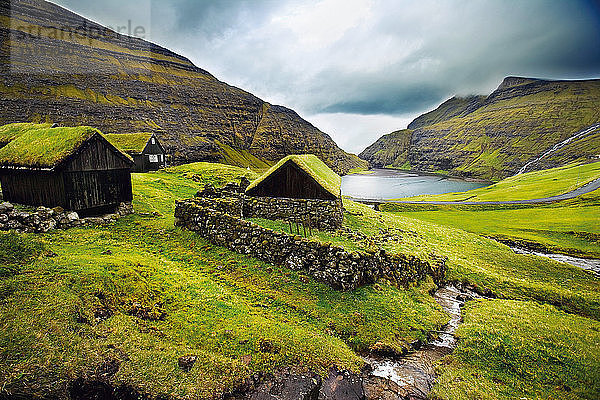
142 293
124 302
530 185
122 84
519 121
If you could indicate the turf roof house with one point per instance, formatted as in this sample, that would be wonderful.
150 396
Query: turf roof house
298 177
299 188
145 149
75 168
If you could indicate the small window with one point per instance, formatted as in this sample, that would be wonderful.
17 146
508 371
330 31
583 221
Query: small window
153 141
161 157
153 157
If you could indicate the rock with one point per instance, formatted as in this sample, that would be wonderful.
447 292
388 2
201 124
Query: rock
47 225
288 386
13 224
186 363
377 388
58 210
341 385
3 218
6 207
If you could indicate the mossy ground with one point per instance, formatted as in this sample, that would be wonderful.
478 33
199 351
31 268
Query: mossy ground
145 293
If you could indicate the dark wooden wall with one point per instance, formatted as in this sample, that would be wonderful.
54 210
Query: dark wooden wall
96 154
34 188
293 182
93 189
142 161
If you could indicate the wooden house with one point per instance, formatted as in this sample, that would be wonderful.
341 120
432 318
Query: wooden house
145 149
298 177
10 132
74 168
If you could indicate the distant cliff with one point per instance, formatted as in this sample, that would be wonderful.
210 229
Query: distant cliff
493 137
59 67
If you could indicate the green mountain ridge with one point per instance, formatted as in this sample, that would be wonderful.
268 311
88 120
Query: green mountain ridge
60 67
493 137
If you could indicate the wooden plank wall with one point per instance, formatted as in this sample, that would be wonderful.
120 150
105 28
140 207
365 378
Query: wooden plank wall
34 188
96 155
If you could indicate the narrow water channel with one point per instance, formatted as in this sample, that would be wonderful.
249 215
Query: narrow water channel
589 264
414 373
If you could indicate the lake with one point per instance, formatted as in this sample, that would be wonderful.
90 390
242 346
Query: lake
386 184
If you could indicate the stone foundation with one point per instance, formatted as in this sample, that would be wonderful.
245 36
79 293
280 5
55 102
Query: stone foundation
44 219
325 262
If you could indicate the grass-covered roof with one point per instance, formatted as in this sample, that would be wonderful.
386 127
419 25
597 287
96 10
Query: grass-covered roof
313 166
10 132
45 148
129 142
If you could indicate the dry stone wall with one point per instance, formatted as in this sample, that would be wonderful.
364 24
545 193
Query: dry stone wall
320 214
327 263
44 219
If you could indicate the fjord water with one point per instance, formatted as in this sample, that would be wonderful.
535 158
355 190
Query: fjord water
386 184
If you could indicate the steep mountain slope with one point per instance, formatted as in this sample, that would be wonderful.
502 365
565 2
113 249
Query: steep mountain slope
493 138
390 150
60 67
454 107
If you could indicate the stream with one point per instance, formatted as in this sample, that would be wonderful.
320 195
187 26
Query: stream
589 264
414 373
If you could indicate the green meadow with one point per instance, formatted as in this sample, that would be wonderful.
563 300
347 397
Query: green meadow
143 293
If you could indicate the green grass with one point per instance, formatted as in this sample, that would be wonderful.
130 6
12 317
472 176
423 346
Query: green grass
530 185
10 132
473 259
521 350
145 293
570 227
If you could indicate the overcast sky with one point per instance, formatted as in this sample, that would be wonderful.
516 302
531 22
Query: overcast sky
358 69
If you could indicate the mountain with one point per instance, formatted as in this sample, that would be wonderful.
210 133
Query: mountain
455 107
60 67
494 136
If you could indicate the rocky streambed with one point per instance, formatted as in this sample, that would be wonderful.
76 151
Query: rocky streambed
400 378
413 376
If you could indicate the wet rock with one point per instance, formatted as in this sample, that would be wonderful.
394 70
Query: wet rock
378 388
287 386
341 385
186 363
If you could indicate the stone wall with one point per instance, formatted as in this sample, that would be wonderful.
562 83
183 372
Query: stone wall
320 214
44 219
327 263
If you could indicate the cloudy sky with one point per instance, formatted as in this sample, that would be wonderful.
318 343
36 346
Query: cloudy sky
358 69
